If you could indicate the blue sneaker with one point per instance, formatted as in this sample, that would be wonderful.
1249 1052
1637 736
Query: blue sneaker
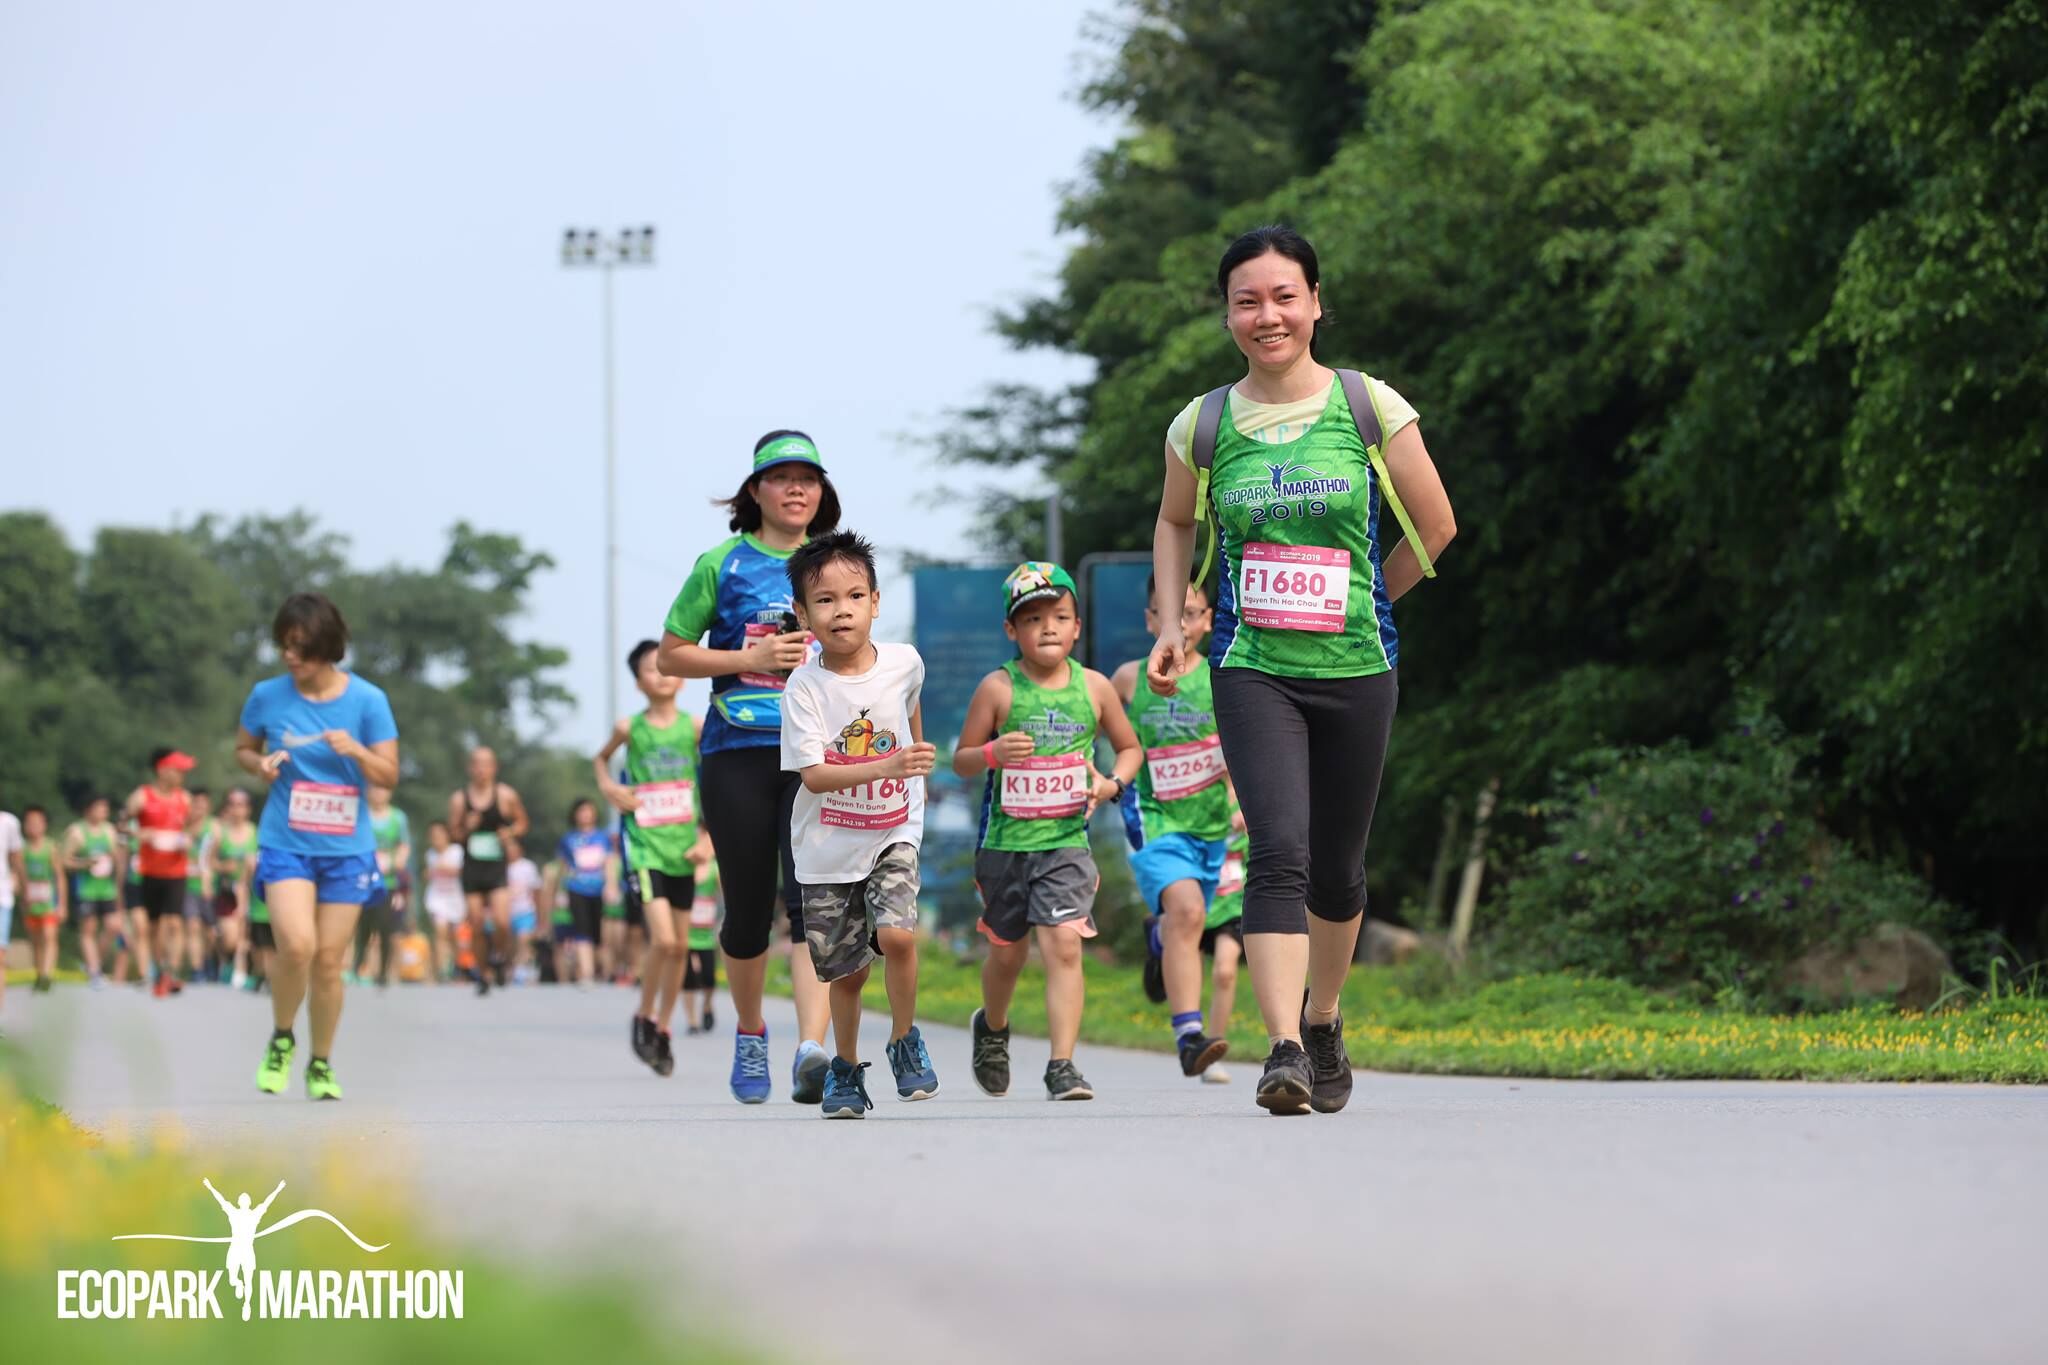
750 1067
846 1090
807 1073
915 1079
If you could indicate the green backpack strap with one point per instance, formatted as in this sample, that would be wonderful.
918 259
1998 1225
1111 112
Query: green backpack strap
1202 457
1365 414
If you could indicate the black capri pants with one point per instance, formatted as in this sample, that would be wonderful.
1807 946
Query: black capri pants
1305 755
748 800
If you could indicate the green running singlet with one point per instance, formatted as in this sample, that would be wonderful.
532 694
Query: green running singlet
1042 802
1180 790
661 767
1301 593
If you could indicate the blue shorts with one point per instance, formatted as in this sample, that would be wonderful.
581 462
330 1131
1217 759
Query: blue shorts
338 878
1174 858
524 922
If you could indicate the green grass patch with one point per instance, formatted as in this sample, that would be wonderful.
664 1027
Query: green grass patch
1419 1019
70 1191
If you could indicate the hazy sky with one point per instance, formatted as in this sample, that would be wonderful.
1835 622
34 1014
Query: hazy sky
255 257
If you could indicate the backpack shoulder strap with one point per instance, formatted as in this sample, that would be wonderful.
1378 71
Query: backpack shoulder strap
1365 415
1201 459
1208 421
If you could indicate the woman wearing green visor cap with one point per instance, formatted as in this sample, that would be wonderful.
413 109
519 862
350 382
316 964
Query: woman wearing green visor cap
732 623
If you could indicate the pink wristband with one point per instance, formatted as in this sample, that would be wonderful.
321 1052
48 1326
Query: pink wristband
988 755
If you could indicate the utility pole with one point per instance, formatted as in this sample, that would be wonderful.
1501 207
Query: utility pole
587 249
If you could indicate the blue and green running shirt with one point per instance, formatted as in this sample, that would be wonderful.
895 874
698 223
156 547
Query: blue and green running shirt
1301 593
737 593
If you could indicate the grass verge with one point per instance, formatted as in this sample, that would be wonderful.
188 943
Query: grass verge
69 1192
1415 1019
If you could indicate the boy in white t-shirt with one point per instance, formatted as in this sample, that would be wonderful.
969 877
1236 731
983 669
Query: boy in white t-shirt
852 730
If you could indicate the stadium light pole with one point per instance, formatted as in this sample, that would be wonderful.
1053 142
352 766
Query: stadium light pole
585 249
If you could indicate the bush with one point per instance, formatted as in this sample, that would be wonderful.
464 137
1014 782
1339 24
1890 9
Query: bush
1706 869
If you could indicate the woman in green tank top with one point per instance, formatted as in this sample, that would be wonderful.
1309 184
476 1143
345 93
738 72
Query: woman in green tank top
1298 473
233 862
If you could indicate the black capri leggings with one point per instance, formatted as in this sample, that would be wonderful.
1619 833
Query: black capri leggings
1305 755
747 804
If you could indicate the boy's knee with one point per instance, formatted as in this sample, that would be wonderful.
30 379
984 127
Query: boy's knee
1061 947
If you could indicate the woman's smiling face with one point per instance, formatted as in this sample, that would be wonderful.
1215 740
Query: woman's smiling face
1271 310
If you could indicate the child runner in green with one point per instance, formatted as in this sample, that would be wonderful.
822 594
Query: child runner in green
700 975
1177 817
1031 728
46 901
853 733
664 847
92 850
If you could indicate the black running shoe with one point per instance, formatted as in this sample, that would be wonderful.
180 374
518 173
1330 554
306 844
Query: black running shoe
1328 1063
1286 1085
991 1056
664 1056
483 982
643 1038
1198 1053
1064 1081
1155 964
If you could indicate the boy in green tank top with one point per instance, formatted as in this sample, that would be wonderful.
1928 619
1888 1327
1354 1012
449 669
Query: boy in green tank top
1177 817
92 849
45 899
1031 729
664 845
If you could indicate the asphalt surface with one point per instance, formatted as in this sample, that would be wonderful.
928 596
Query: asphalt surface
1437 1219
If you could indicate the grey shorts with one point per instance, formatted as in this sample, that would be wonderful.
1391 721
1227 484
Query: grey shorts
1051 887
840 918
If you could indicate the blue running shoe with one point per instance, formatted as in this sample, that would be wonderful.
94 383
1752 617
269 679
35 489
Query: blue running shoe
915 1079
750 1067
846 1090
807 1073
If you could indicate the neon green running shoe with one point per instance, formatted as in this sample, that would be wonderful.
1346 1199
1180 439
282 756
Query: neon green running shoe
277 1065
320 1082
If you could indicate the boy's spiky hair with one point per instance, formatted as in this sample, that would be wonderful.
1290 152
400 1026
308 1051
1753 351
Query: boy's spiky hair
811 558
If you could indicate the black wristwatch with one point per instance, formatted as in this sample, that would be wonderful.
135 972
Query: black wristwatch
1121 786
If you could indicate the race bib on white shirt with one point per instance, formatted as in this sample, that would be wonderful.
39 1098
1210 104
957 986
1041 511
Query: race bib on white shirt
323 808
1294 587
1181 770
665 803
1045 786
881 804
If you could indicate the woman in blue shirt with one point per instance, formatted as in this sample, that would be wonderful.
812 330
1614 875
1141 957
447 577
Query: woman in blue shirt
320 737
733 623
589 865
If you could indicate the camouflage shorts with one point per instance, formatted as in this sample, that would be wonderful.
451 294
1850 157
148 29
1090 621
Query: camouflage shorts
840 918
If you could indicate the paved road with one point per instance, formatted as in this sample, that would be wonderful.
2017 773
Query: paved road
1436 1220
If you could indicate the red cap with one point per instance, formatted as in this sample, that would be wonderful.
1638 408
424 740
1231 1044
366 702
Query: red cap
183 762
